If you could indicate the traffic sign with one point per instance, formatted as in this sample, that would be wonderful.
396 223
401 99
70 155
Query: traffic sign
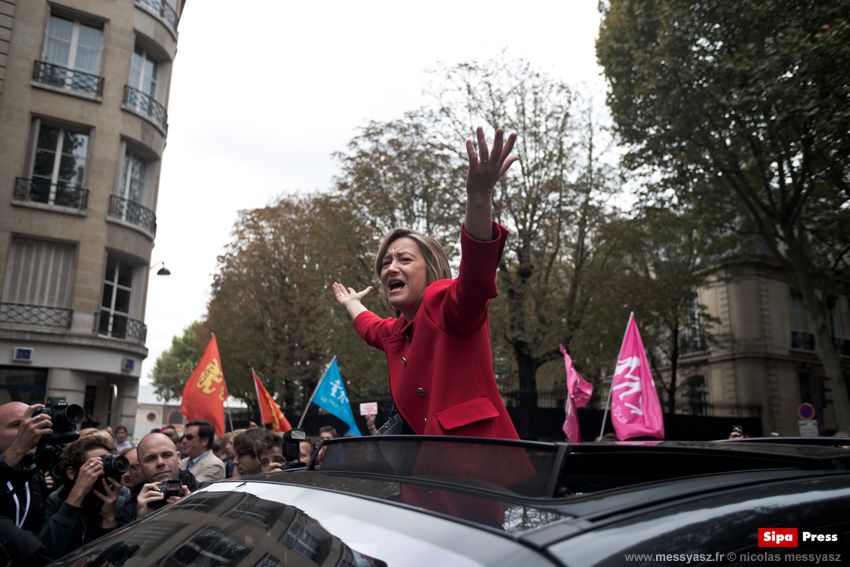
806 411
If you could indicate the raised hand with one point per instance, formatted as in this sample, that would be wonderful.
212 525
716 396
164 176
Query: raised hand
485 169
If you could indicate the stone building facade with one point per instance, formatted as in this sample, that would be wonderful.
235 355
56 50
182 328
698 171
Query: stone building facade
83 122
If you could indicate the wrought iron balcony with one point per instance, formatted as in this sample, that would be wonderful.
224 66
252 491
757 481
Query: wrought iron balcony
145 105
132 212
842 346
802 340
119 326
691 343
59 194
67 78
162 9
35 315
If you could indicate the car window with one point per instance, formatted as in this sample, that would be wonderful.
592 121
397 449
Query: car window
249 524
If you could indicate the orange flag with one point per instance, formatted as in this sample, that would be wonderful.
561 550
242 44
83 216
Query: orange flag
269 410
204 394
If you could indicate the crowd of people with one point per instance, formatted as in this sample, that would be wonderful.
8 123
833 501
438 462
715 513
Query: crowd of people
101 481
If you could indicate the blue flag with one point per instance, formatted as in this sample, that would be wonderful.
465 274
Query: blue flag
331 396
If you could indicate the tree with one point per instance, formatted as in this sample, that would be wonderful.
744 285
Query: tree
746 117
668 259
174 367
398 173
270 309
555 205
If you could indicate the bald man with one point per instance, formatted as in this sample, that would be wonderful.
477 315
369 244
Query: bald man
159 461
21 491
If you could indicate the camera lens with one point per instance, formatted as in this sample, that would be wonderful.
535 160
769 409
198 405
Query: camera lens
114 467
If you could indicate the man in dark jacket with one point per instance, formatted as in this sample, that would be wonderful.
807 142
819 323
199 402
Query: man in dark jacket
22 490
160 462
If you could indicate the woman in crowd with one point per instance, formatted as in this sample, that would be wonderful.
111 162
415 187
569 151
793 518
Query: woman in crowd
84 508
438 344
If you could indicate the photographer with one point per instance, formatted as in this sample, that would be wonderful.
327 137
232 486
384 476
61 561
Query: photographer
21 490
160 462
84 508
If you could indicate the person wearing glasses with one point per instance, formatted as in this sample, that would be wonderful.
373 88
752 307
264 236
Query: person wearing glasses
198 457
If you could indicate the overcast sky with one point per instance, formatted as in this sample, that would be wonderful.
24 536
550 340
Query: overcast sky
263 92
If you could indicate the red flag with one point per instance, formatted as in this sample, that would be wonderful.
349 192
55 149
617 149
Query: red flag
269 410
579 391
635 408
205 392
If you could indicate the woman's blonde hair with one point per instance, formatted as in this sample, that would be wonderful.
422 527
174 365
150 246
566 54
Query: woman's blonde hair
436 261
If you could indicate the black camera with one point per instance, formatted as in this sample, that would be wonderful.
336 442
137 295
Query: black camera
292 447
114 466
738 429
65 419
171 488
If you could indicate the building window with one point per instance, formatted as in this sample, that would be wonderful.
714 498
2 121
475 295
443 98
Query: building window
693 338
71 57
22 384
59 166
801 338
142 88
133 178
116 300
692 396
38 284
143 72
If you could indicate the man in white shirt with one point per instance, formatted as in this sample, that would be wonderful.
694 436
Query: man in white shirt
197 446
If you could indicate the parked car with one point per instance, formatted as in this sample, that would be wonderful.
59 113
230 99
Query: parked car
452 501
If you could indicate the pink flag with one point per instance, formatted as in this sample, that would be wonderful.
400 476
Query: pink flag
578 394
635 409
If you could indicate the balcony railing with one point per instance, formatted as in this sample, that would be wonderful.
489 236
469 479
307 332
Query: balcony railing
692 343
145 105
842 346
119 326
802 340
162 9
42 191
35 315
132 212
67 78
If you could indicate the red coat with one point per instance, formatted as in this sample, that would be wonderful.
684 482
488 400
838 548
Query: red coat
441 363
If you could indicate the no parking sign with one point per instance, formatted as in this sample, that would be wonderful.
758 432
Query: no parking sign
806 411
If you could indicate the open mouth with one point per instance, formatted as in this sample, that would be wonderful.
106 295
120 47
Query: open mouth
395 285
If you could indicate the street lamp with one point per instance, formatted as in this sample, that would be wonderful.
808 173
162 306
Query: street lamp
163 271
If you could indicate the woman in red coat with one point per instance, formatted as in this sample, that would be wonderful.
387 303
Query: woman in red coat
438 346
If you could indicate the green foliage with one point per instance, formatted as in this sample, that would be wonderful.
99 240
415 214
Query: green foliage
272 309
175 366
744 108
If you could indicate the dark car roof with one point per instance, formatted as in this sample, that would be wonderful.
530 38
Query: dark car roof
500 502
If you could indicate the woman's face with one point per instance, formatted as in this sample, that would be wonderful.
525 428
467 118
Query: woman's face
404 276
120 435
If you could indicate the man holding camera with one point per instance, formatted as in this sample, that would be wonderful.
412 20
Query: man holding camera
164 482
21 493
85 506
197 445
21 490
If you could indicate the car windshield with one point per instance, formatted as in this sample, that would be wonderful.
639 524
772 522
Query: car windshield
521 468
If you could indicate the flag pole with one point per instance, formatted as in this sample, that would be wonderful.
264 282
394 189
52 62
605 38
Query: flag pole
319 383
226 400
605 415
611 390
257 391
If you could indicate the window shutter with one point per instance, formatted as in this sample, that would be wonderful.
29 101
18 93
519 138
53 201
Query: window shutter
39 273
